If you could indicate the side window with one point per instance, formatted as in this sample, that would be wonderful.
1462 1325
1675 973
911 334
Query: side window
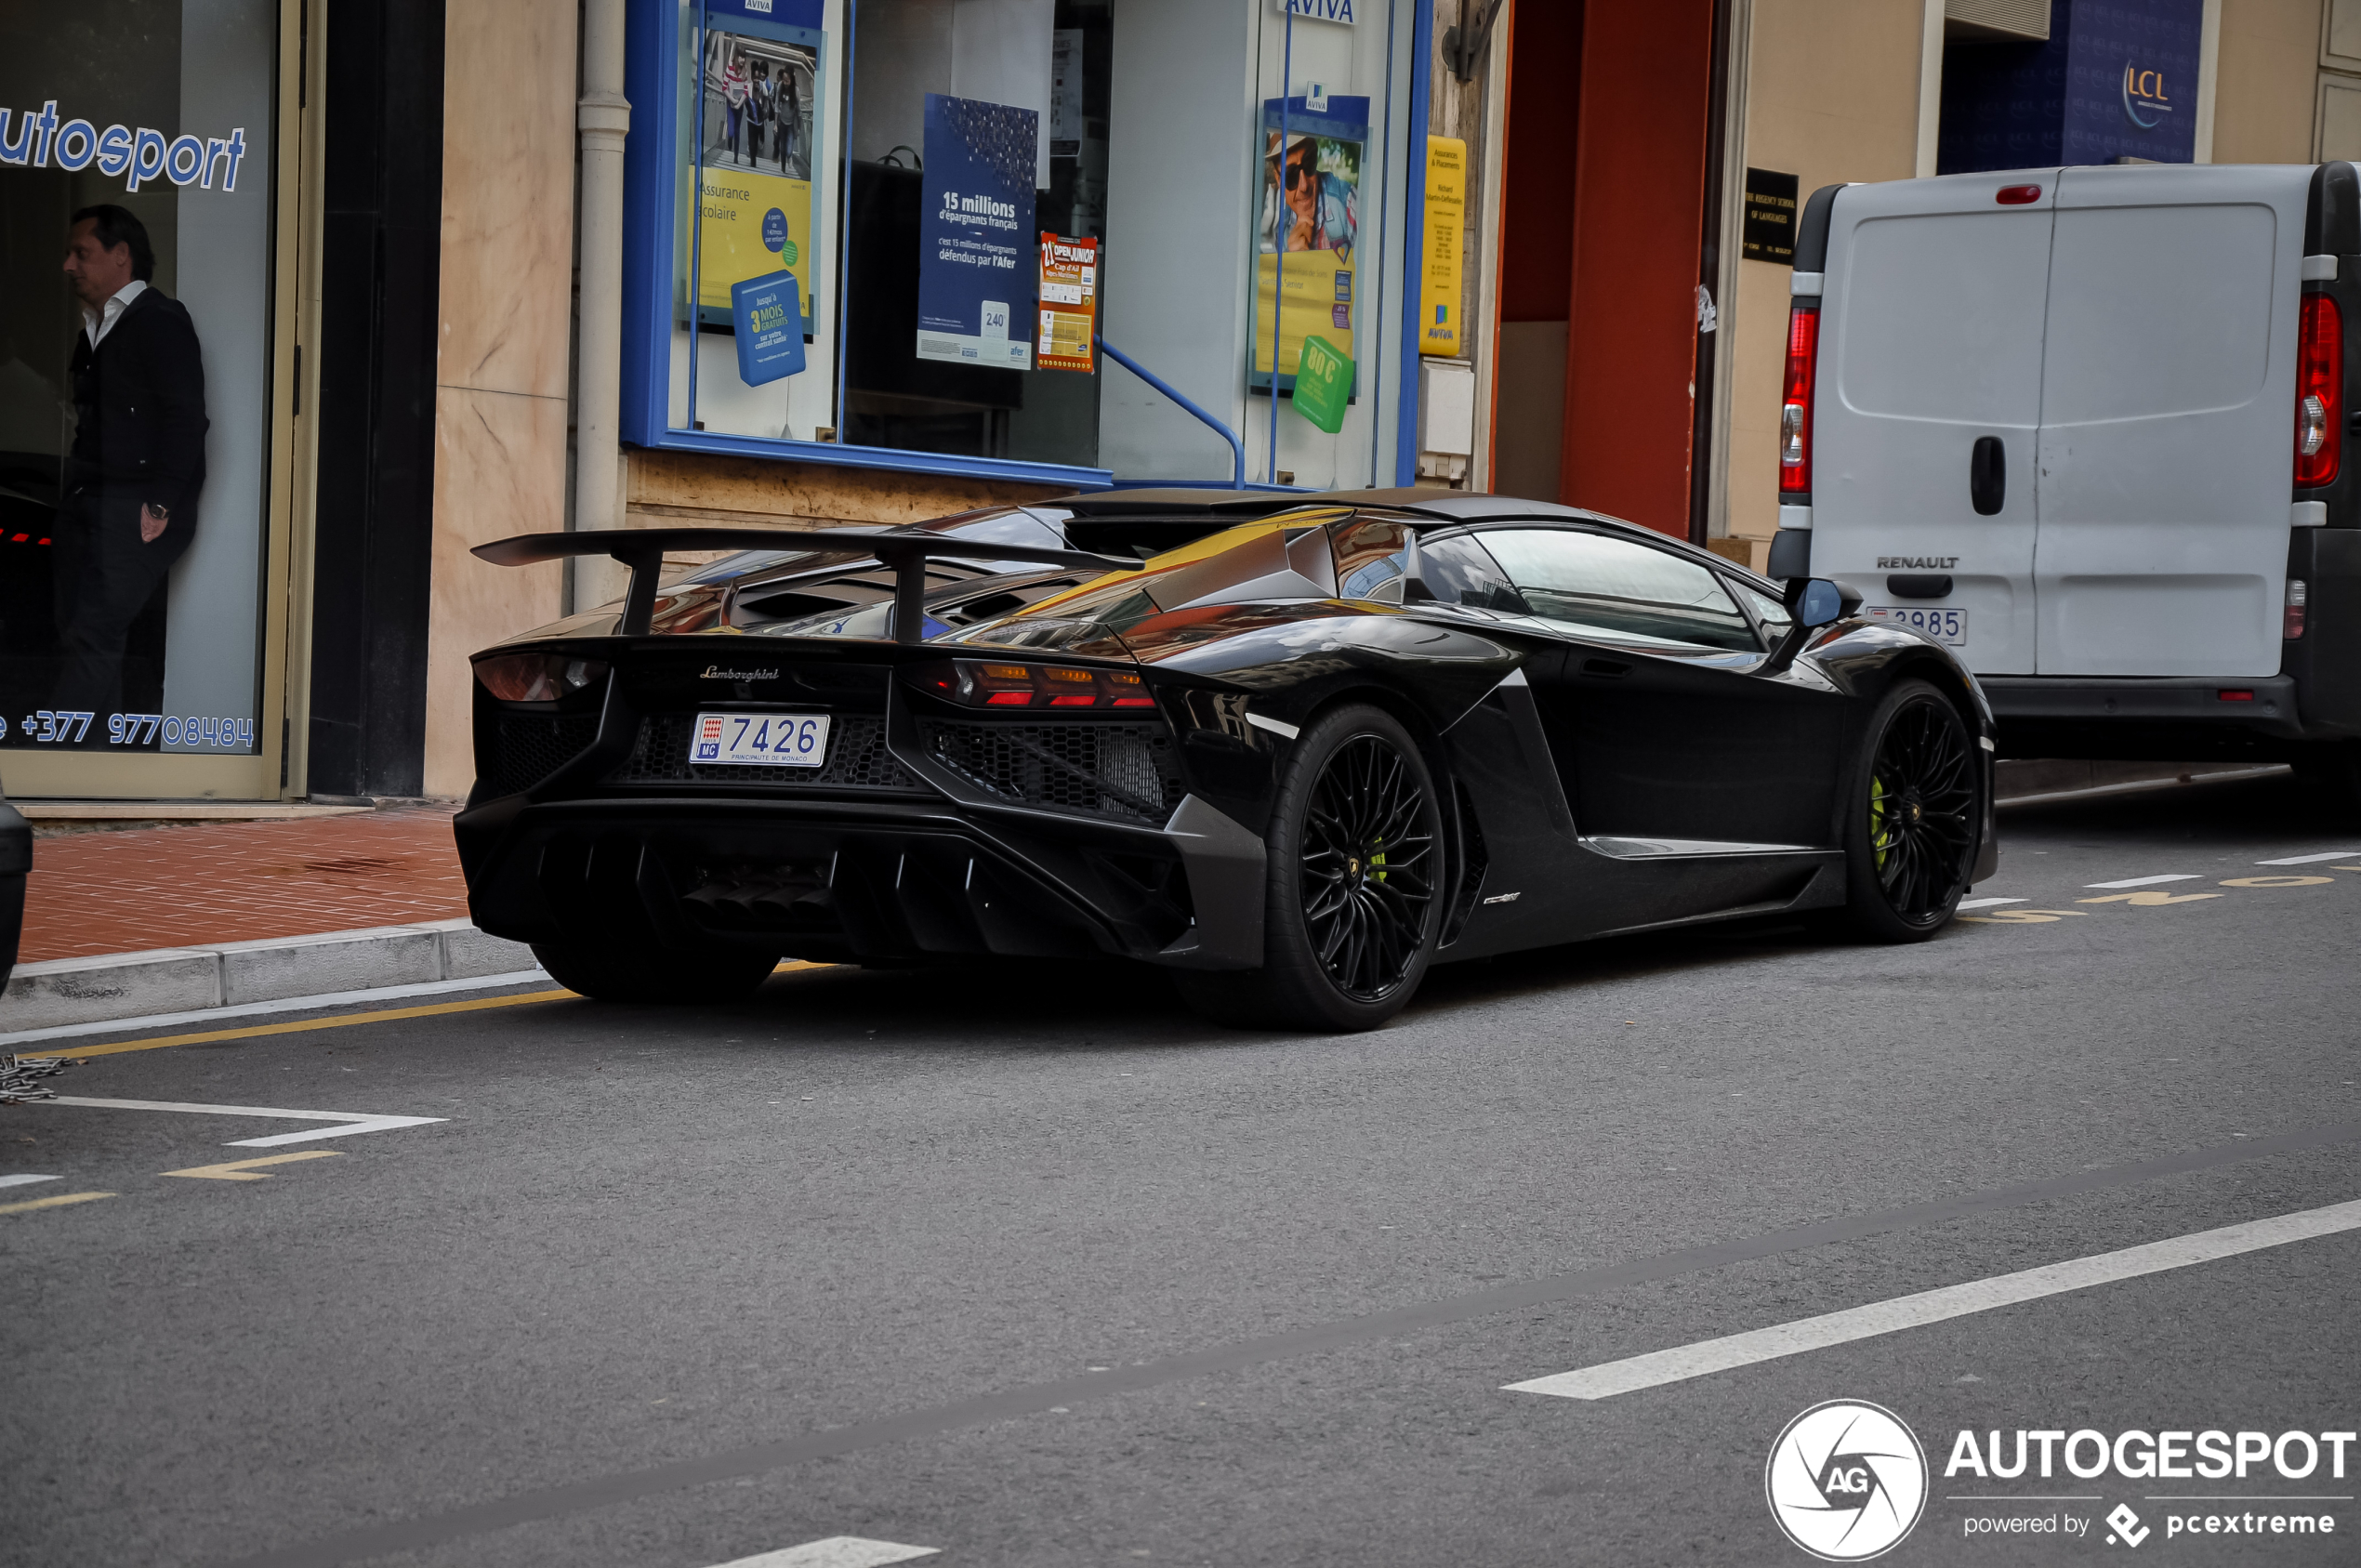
1371 557
1774 614
1620 590
1460 570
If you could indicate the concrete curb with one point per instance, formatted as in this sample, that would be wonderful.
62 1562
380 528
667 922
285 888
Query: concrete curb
177 980
2018 778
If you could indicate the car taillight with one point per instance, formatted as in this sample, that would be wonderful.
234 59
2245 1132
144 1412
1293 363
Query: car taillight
1795 413
537 677
2319 393
2294 628
985 683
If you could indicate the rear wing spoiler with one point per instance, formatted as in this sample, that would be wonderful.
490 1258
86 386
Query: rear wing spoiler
906 550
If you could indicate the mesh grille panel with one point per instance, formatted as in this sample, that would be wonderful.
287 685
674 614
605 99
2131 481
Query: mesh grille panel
857 758
527 748
1116 770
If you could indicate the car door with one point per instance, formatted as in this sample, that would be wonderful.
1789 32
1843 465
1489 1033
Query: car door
1659 725
2168 398
1929 349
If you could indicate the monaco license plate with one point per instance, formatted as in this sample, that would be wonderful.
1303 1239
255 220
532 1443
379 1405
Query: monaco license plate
760 740
1944 626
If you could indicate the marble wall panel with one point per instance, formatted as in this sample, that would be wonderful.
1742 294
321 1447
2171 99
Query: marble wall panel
498 470
508 195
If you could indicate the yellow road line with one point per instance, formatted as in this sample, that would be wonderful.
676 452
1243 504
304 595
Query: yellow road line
243 1170
57 1201
385 1015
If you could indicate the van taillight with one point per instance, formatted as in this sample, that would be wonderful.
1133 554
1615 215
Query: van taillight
1795 414
2319 393
2293 628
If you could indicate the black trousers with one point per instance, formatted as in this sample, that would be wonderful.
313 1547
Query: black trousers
104 574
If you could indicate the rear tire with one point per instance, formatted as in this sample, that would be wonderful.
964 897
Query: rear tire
607 974
1353 897
1914 805
2333 773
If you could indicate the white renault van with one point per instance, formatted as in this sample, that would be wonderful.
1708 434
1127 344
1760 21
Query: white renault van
2086 426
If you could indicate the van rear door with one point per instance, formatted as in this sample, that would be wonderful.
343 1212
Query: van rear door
1930 343
2167 393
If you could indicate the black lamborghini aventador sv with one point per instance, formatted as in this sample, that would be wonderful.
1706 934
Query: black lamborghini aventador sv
1296 752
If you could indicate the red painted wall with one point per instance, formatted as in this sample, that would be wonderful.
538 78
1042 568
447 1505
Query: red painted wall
1646 76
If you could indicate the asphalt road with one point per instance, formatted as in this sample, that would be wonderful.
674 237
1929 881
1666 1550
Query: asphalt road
1027 1265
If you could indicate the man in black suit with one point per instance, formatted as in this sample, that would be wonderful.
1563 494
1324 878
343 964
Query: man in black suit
136 466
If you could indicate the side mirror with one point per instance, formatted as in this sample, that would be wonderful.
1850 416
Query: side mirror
1820 603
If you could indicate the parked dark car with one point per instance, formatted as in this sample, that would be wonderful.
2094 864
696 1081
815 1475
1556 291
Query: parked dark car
1297 762
16 863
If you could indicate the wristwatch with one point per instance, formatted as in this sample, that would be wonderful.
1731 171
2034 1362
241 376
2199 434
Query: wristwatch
163 514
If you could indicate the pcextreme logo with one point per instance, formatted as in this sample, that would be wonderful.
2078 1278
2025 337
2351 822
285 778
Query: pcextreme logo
1846 1480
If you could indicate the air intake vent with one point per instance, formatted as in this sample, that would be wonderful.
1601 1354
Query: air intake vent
2026 20
527 748
1099 770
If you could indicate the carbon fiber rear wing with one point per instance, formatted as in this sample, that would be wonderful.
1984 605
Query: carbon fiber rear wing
904 550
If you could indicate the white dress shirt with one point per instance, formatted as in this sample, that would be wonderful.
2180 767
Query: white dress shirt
97 324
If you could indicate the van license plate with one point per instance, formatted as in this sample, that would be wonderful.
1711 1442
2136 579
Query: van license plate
760 740
1944 626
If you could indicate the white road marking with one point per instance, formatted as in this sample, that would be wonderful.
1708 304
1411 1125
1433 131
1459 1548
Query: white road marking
2149 881
23 1180
836 1551
2307 860
288 1005
1986 904
1708 1357
353 1122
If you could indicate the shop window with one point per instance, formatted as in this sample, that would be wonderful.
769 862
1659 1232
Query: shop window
977 160
136 148
890 232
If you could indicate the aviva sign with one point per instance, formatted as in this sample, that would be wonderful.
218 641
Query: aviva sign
1318 11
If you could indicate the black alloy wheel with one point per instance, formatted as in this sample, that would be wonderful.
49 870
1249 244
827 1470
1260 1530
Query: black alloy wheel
1368 860
1919 806
1352 884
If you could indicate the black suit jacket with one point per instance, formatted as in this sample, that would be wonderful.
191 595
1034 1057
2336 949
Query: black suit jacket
139 406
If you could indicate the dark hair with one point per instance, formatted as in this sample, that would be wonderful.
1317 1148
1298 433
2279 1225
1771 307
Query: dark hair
114 226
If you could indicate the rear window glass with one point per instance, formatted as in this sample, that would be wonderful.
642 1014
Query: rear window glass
1371 557
1942 316
2153 311
1460 570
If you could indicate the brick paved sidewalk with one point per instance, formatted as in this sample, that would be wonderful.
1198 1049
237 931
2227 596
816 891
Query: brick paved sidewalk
169 886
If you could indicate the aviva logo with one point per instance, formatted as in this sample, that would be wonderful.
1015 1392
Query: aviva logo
2144 100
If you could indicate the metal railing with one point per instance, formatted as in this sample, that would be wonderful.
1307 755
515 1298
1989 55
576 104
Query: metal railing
1237 447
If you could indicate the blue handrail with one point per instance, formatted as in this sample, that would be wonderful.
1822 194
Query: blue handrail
1237 447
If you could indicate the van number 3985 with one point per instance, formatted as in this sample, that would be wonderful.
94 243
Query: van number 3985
1948 627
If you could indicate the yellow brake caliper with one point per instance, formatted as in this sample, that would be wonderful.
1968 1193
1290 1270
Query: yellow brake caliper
1880 830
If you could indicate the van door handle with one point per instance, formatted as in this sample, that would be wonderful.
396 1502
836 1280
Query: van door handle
1987 475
